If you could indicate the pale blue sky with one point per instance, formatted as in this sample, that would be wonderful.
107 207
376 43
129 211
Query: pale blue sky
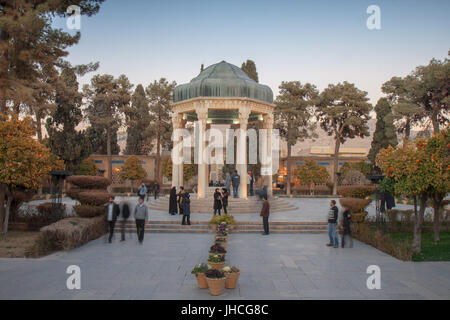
320 42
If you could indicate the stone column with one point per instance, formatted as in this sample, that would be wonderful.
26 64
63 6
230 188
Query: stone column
181 165
242 151
176 151
202 185
268 125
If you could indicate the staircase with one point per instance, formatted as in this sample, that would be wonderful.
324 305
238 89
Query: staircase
172 226
235 205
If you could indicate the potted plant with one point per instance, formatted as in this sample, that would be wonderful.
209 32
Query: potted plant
216 261
232 274
216 281
222 241
357 208
222 230
217 249
227 219
199 271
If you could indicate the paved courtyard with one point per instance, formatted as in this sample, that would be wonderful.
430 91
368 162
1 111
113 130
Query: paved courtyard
279 266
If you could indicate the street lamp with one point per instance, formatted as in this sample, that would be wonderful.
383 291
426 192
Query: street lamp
58 177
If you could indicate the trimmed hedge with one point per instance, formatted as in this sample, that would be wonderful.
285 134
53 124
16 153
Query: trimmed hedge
87 211
354 204
93 197
360 192
67 234
89 182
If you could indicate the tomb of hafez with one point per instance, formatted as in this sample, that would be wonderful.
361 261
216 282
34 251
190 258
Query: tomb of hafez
211 116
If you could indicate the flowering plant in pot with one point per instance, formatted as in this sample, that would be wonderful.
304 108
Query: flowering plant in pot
216 261
199 271
232 274
216 281
217 249
221 241
222 230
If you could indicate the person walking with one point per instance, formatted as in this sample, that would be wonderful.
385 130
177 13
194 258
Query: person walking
346 225
180 199
186 209
332 221
141 217
252 182
225 200
149 187
235 181
112 212
125 213
173 206
265 214
142 191
228 182
156 188
217 201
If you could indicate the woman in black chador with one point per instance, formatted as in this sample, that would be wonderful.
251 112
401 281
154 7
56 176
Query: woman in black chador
173 204
217 201
186 209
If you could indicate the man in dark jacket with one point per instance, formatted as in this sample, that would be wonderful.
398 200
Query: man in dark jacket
235 181
332 222
111 213
186 209
125 213
346 226
217 201
156 189
265 214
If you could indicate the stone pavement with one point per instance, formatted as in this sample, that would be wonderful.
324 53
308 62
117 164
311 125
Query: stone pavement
278 266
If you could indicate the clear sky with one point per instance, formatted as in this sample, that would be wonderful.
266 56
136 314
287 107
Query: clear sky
320 42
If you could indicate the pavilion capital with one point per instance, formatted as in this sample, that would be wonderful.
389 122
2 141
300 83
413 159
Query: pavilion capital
244 113
177 120
268 121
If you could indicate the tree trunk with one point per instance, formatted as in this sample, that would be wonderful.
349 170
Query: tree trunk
158 156
39 126
131 186
108 149
434 121
8 207
2 204
436 204
336 165
417 240
407 129
288 169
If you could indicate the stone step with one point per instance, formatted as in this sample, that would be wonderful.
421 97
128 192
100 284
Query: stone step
186 230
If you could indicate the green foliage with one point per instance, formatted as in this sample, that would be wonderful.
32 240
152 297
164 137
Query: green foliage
249 67
132 169
361 166
360 192
200 268
385 131
311 172
87 168
227 218
189 170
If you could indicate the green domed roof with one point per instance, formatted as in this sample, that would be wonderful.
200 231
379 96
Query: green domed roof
223 79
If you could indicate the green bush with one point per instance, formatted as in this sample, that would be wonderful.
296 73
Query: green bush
227 218
354 204
88 211
89 182
87 168
67 234
356 191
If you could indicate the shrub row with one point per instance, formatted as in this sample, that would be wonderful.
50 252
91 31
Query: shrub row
89 182
88 211
67 234
356 191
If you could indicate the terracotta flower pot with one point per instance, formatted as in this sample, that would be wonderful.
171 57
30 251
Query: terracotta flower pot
219 236
201 279
217 254
217 265
223 244
231 280
215 286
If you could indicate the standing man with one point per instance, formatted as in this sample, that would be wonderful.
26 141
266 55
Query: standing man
141 217
265 214
186 209
332 221
252 181
217 201
180 199
112 212
235 181
156 189
142 191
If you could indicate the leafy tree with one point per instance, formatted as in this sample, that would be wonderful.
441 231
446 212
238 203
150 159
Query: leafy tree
132 170
343 113
403 96
249 68
159 130
23 162
64 140
311 173
433 91
107 98
385 131
137 118
189 170
420 170
31 50
293 115
87 168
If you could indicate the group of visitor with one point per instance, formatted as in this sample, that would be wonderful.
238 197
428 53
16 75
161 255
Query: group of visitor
113 210
220 201
180 203
345 226
146 190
